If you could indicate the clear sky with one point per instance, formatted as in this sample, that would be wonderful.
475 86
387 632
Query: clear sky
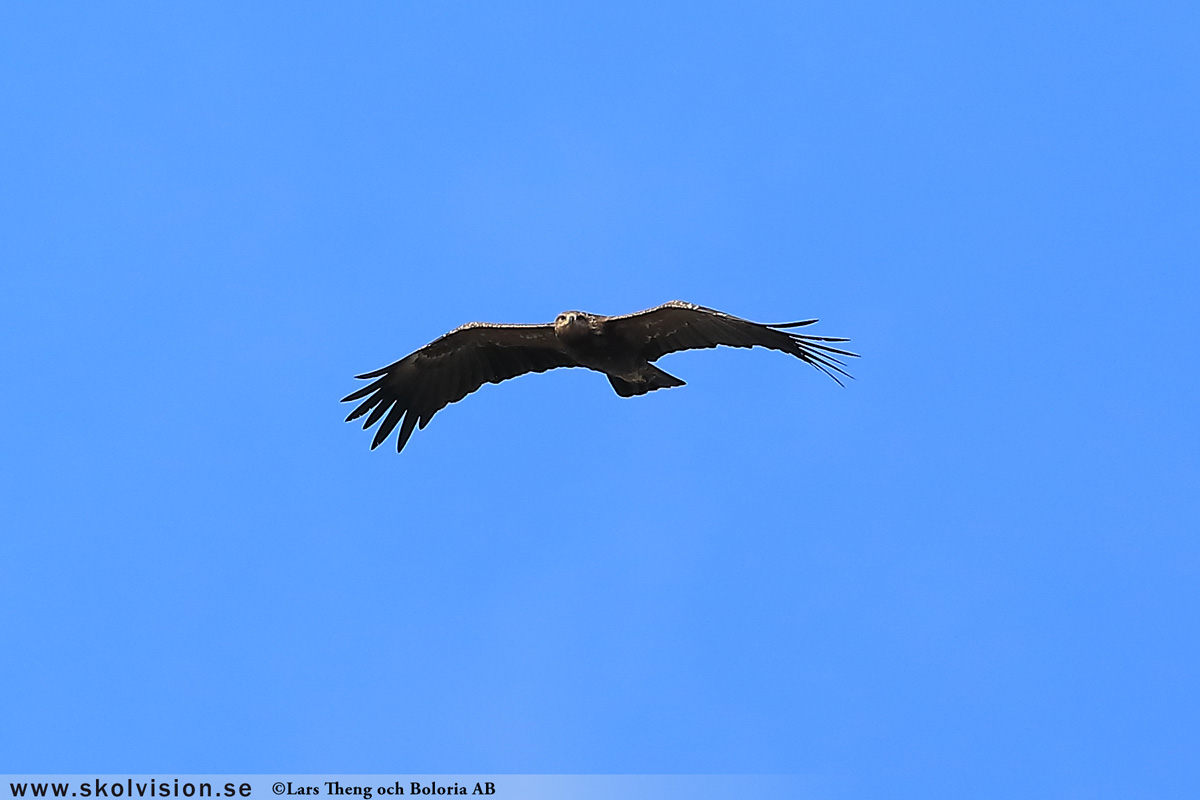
972 572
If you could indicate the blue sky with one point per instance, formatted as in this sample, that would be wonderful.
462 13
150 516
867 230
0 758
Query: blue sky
971 572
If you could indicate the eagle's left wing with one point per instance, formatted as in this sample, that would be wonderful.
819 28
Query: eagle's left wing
678 326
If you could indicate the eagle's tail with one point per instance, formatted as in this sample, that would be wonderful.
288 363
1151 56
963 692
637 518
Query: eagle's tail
651 378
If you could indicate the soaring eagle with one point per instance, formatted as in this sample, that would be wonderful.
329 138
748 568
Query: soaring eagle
452 366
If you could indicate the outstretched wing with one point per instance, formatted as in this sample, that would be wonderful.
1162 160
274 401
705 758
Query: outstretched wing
448 369
678 326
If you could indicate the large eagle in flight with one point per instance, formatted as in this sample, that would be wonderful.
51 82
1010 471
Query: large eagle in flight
624 348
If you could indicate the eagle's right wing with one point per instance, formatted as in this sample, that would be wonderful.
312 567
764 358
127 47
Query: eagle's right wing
448 369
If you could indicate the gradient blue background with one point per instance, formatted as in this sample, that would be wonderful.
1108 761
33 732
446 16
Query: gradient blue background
972 572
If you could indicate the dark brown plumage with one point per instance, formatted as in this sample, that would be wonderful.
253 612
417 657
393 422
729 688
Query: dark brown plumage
452 366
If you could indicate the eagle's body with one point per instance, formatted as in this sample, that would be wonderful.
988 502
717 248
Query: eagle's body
608 349
622 347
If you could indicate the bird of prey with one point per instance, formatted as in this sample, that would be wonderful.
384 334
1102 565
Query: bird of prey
623 347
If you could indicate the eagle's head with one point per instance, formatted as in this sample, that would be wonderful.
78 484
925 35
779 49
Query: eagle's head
576 322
